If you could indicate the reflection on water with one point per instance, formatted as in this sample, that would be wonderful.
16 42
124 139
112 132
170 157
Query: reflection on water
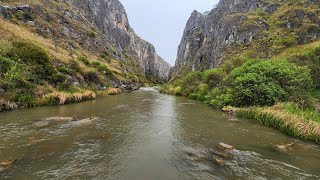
146 135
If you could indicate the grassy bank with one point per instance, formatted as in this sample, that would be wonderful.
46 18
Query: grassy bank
35 71
299 125
282 93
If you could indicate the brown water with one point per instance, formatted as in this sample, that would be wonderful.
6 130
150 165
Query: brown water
145 135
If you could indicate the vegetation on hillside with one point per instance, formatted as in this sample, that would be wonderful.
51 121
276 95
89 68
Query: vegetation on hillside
34 71
282 93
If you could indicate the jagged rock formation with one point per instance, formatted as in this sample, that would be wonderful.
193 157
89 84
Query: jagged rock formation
100 26
110 17
256 28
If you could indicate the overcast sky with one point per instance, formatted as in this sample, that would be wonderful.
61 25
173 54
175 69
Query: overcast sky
161 22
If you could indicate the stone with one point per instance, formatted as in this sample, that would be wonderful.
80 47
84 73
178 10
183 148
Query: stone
284 147
234 120
224 146
84 122
60 119
218 161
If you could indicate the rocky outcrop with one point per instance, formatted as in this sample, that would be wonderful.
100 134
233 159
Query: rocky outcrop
110 18
101 26
209 38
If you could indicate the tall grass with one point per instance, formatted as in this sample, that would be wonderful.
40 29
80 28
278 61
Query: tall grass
111 91
61 98
278 117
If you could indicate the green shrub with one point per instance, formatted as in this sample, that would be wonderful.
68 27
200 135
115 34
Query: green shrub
64 70
85 60
214 77
260 82
104 70
58 78
91 34
312 60
96 64
30 53
92 76
74 65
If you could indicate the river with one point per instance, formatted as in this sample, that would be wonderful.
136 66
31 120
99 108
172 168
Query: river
145 135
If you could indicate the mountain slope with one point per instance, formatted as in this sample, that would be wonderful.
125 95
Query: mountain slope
251 28
48 48
255 59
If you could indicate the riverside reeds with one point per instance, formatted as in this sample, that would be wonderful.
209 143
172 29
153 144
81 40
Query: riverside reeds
286 122
61 98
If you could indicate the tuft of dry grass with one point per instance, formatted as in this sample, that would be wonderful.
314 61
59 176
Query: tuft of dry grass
171 89
277 117
61 98
111 91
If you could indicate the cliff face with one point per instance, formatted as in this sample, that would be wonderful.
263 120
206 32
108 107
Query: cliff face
251 28
100 26
110 17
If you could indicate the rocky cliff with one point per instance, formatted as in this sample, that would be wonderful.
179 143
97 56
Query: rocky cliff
99 26
110 18
249 28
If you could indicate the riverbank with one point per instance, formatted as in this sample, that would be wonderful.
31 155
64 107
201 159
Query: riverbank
57 99
288 118
280 93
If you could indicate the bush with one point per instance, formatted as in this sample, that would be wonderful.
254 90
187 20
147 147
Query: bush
65 70
58 78
260 82
30 53
74 65
85 60
35 57
92 76
312 60
214 77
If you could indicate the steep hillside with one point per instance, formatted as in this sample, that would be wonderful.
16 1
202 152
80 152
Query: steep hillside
55 49
255 59
250 28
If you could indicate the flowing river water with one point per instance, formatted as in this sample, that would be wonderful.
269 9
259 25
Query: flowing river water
145 135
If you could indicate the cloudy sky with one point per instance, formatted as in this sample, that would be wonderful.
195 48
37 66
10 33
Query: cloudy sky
161 22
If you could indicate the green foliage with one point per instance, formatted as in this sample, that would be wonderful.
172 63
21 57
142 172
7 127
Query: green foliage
74 65
85 60
242 82
64 70
190 82
35 57
253 89
306 113
214 77
312 60
91 34
58 78
92 76
261 82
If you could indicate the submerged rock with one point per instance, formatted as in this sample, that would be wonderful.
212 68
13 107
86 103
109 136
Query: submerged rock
60 119
85 122
234 120
6 164
224 146
218 161
284 147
